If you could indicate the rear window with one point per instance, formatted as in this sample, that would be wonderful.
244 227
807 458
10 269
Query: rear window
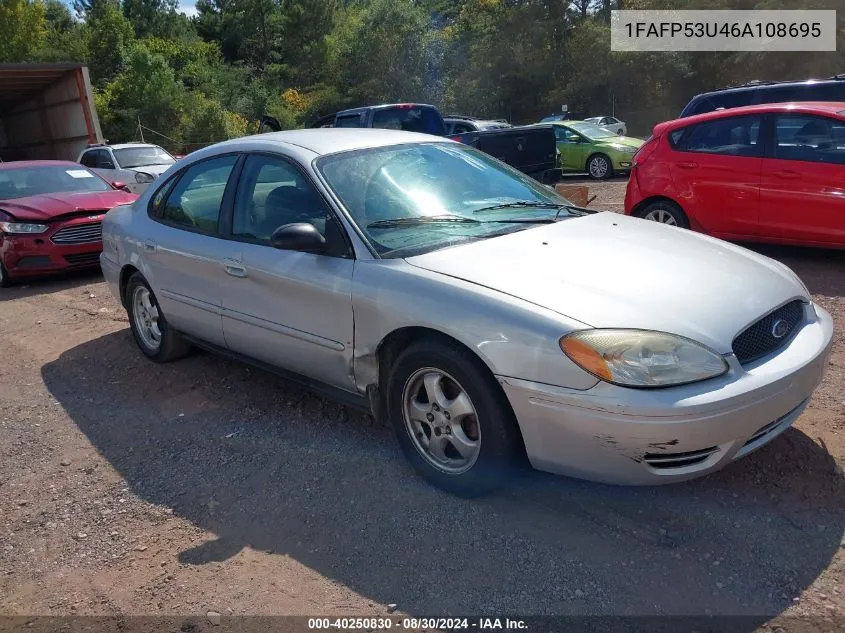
727 99
802 92
426 120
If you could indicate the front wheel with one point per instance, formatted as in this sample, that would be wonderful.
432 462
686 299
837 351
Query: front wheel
149 327
452 420
599 167
5 280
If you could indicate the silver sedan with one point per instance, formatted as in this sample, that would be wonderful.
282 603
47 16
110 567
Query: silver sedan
483 314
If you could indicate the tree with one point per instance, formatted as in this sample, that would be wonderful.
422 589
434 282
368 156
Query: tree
158 18
378 51
147 89
22 29
111 36
66 40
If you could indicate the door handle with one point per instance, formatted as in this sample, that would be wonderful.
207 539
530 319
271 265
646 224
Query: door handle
687 165
149 246
234 268
787 174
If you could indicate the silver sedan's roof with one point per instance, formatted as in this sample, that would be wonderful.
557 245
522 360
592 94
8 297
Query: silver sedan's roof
331 140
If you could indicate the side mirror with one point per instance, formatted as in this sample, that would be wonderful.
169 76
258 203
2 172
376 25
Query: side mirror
299 236
120 185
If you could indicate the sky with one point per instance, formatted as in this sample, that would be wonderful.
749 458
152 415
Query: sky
185 6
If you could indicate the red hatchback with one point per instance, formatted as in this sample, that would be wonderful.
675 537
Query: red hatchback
50 217
767 173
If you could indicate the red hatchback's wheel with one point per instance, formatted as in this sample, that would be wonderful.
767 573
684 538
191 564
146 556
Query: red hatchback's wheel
665 212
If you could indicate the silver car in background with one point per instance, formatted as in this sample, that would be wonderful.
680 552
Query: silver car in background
481 312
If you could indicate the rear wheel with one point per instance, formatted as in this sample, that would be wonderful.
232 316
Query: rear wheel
149 327
599 167
665 212
451 418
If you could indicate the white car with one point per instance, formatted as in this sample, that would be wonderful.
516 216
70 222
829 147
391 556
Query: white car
610 123
134 164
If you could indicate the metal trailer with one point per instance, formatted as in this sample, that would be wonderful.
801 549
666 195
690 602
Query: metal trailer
46 111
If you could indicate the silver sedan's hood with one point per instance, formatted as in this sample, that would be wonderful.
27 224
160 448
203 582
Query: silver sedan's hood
610 270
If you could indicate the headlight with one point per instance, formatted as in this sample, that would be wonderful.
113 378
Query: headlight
22 227
639 358
142 178
625 149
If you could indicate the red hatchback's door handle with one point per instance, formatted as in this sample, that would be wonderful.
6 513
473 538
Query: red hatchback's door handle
788 174
687 165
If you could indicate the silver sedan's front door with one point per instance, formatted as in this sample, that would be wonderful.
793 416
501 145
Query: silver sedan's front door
288 308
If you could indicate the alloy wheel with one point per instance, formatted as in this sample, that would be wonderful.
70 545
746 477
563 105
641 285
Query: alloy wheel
145 314
598 167
661 215
441 420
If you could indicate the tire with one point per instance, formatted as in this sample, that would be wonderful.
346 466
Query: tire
599 167
168 345
489 434
665 212
620 132
5 280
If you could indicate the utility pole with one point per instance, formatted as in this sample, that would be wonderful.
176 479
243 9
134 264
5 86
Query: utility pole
140 129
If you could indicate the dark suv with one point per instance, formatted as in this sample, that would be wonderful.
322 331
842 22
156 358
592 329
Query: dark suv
410 117
758 92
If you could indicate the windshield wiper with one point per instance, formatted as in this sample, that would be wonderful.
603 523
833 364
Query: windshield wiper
519 204
422 219
522 204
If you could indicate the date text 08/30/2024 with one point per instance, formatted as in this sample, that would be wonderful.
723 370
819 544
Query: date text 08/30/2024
413 624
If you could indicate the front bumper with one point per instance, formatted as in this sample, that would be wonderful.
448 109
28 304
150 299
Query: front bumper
638 437
34 255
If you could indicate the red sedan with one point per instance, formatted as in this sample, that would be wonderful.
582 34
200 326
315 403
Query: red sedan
50 217
767 173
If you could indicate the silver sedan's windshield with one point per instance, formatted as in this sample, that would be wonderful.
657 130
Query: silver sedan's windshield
411 199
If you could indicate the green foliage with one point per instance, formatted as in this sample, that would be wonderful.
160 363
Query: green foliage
111 37
210 77
22 29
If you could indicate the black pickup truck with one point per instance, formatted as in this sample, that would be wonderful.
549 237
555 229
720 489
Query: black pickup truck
531 149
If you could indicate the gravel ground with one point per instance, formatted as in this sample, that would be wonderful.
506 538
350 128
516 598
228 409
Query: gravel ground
204 485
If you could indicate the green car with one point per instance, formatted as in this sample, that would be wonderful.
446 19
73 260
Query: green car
587 147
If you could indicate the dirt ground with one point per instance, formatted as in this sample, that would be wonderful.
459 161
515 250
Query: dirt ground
205 485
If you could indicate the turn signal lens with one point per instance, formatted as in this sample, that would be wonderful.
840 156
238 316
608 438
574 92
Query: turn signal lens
585 356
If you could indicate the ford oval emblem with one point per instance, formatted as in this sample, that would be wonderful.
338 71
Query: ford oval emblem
780 328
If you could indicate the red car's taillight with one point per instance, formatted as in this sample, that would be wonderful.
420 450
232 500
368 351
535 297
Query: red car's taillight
647 149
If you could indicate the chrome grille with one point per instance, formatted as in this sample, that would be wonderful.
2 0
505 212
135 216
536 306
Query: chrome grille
79 234
758 340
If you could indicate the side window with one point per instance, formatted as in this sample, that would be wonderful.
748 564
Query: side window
675 137
605 121
564 135
272 193
350 120
89 159
104 160
735 136
194 201
463 128
810 138
156 205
